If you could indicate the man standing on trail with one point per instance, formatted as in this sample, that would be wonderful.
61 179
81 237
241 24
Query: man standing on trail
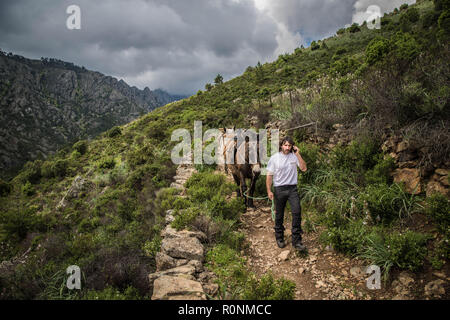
282 170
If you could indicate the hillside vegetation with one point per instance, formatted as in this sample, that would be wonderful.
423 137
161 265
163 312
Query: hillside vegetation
101 204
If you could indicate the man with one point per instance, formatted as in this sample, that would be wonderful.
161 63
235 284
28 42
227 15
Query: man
282 170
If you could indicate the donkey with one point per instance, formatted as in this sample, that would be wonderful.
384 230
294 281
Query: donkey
238 145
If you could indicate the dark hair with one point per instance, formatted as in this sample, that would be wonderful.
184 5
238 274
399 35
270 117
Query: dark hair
288 139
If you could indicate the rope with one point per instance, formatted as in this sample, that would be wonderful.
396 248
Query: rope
272 208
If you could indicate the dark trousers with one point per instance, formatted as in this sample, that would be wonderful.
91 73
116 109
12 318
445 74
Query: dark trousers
282 195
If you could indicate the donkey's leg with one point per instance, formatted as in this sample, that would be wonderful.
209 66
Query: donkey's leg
243 187
238 182
252 189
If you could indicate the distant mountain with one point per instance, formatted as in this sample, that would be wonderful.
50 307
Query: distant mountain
47 103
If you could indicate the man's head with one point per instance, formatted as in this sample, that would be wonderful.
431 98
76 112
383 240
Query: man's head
286 145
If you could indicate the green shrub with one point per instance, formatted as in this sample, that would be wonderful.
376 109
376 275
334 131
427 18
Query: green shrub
429 19
440 253
203 186
140 156
184 218
444 24
348 238
5 188
230 268
16 223
344 66
377 49
437 207
403 250
354 28
107 163
440 5
340 31
27 189
403 6
405 47
219 207
381 172
407 250
114 132
412 14
81 146
31 171
152 247
52 169
267 288
314 46
388 202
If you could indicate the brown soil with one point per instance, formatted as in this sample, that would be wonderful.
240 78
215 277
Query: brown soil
321 273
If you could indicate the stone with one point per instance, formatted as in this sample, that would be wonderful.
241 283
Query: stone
170 232
164 262
184 248
211 288
435 288
434 186
169 217
402 146
320 284
357 272
442 172
283 256
405 279
186 271
411 178
177 288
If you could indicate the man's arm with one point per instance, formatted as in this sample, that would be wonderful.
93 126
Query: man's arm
269 179
300 160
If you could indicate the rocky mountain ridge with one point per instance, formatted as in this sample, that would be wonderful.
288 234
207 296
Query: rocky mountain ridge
48 103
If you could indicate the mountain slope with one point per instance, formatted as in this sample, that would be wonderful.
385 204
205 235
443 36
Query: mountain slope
50 103
380 101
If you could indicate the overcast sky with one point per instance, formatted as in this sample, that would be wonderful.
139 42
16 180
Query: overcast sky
176 45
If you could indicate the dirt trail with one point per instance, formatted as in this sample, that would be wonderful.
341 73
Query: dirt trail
317 273
321 273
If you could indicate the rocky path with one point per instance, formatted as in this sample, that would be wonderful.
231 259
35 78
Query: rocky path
322 273
180 274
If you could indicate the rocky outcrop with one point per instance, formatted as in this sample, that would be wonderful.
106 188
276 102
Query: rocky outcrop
48 103
180 274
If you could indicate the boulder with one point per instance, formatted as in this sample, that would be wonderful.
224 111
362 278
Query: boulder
435 288
164 262
184 248
177 288
170 232
411 178
185 272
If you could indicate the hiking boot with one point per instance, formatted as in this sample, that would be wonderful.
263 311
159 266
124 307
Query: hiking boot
299 246
280 243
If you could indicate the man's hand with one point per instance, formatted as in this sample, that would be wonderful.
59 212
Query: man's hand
295 150
270 195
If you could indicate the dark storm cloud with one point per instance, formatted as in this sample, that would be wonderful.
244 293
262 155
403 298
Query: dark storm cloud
178 45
